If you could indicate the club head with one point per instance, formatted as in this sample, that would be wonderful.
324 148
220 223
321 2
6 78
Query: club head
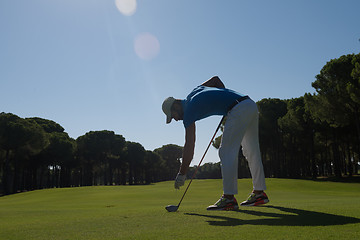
171 208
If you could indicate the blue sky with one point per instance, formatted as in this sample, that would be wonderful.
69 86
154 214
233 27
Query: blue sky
74 61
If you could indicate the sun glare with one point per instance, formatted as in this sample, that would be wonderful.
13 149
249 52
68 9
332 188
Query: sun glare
146 46
126 7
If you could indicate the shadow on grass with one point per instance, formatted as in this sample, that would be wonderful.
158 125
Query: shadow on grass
291 217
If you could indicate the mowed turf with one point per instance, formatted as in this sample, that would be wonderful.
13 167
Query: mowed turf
298 209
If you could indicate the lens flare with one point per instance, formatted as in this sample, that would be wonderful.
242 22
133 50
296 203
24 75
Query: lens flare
146 46
126 7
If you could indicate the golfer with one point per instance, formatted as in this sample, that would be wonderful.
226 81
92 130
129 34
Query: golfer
241 129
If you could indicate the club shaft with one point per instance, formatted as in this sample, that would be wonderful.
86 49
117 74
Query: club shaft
197 168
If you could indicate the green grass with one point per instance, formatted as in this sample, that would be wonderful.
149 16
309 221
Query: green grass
298 209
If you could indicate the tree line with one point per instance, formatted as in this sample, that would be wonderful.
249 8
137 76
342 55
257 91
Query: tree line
36 153
310 136
316 134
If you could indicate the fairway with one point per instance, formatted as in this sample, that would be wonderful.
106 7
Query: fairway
298 209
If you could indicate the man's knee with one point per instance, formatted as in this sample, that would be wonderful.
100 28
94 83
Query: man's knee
228 157
222 152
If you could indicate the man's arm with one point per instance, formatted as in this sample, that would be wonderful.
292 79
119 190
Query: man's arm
188 151
214 82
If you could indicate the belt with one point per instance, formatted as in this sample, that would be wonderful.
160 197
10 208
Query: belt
238 101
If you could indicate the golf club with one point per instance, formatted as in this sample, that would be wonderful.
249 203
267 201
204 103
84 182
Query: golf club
174 208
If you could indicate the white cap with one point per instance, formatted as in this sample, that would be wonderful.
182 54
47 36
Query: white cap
166 107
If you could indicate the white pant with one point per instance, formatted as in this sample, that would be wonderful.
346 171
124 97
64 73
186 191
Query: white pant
241 128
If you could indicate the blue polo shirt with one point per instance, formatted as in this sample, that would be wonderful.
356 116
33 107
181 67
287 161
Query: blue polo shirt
204 101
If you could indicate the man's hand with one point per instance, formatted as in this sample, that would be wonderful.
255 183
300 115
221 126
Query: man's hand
179 180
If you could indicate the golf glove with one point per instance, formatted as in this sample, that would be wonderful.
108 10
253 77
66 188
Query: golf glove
179 180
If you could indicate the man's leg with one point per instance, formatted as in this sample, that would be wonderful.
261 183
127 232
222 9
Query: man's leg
251 151
228 153
235 127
